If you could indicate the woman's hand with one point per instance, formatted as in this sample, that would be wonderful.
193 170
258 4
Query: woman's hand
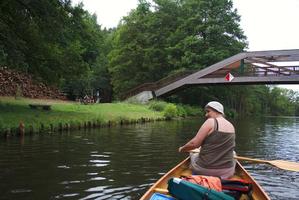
180 149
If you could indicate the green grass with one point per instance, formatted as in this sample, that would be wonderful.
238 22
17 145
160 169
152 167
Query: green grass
13 111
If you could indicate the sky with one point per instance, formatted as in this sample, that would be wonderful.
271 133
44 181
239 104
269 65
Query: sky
268 24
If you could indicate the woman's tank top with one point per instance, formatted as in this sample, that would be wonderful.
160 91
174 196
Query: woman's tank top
217 150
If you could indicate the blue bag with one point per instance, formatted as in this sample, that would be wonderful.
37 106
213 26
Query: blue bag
158 196
185 190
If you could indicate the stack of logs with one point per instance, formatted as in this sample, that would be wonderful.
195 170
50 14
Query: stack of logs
13 83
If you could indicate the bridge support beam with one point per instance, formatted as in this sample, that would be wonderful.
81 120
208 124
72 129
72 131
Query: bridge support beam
248 80
142 97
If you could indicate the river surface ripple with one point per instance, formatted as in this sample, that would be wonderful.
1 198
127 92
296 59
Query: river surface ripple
123 162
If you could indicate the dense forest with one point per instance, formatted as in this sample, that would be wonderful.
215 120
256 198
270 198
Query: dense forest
62 45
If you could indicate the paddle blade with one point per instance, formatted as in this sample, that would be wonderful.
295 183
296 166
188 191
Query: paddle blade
287 165
282 164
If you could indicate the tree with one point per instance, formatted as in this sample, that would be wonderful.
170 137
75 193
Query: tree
167 36
280 103
55 42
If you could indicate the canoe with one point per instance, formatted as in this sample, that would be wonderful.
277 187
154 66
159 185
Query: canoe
182 169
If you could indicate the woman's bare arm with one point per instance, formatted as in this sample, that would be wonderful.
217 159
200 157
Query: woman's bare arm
202 133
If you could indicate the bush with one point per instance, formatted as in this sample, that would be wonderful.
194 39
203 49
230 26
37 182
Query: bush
193 111
181 111
170 111
157 105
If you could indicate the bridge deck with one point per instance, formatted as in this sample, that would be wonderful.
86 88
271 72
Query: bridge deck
256 67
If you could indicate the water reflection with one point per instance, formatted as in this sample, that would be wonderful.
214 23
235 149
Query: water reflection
272 138
122 162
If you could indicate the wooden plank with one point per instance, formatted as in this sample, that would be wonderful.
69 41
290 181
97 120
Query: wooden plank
275 53
270 65
284 58
270 70
249 80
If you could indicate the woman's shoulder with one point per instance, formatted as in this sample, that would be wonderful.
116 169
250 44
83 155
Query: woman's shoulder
226 125
210 121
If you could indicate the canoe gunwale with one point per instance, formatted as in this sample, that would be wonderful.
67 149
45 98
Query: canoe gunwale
258 190
255 184
151 190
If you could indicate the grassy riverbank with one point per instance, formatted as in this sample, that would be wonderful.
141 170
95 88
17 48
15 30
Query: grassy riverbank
68 114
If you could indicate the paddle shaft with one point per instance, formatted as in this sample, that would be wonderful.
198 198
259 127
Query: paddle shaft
251 159
282 164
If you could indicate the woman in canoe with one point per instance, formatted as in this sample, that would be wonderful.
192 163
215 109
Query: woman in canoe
216 137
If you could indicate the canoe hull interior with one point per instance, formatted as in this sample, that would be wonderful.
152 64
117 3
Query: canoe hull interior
182 169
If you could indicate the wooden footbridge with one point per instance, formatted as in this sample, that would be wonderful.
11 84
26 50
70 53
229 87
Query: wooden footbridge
256 67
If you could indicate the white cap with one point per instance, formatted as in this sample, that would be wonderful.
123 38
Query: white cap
216 106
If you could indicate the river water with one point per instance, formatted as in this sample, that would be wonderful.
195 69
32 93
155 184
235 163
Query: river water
123 162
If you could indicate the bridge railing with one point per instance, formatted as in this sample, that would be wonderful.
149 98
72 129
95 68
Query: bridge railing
156 85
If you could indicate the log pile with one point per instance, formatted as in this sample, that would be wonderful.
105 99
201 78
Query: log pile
13 83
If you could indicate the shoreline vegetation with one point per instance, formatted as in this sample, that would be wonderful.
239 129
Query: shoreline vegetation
17 118
48 56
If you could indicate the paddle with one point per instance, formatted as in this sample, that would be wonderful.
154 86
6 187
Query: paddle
282 164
